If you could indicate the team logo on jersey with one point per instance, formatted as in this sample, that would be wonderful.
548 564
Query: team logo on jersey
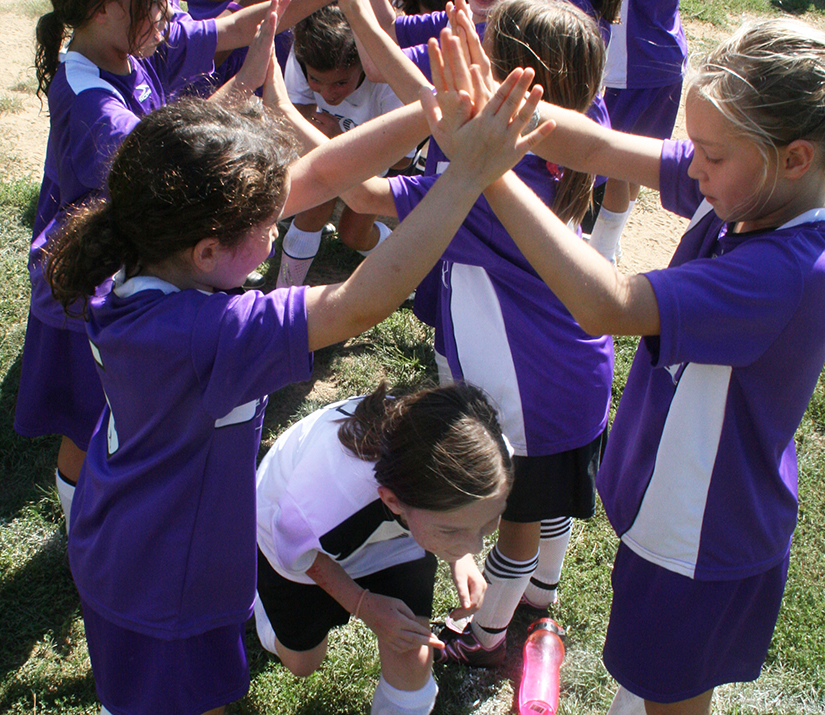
143 91
242 413
346 123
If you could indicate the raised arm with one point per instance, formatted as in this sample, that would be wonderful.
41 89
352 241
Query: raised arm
577 142
602 300
387 57
485 146
238 28
359 154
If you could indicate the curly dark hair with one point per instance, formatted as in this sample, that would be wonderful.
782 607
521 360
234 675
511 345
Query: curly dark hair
188 171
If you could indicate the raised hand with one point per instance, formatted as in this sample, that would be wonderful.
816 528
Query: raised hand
490 143
256 66
469 585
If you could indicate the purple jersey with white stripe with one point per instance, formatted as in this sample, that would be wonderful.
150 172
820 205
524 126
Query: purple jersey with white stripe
506 332
163 520
648 47
90 113
700 473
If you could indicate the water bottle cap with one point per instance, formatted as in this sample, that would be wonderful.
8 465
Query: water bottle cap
546 624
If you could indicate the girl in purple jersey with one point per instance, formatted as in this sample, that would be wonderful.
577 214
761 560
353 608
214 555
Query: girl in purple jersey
355 502
162 546
124 59
699 479
494 315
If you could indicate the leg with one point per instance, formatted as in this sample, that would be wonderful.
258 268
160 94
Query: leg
555 535
700 705
301 663
301 243
406 686
69 461
508 569
619 200
358 231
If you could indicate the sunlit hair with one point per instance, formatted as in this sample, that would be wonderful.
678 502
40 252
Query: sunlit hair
768 81
324 40
437 449
55 27
563 45
188 171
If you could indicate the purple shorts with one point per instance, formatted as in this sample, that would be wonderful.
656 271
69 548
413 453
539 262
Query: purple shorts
671 638
137 674
646 112
60 390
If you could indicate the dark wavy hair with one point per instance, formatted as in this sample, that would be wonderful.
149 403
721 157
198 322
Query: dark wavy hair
565 48
324 40
437 449
188 171
55 27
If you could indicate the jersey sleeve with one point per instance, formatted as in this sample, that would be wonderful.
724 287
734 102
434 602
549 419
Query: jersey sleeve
246 346
188 53
99 123
726 310
679 193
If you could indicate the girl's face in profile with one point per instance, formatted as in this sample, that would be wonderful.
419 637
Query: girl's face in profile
730 169
450 534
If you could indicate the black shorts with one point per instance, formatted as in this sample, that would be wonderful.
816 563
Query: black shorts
302 614
555 485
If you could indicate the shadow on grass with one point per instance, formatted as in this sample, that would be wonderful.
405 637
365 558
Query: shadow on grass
798 7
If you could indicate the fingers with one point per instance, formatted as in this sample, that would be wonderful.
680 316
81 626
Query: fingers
279 7
436 65
456 69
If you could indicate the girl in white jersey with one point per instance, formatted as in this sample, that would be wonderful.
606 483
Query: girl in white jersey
354 504
699 479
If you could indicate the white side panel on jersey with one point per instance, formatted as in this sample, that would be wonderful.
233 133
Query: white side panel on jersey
82 73
668 526
483 350
242 413
615 68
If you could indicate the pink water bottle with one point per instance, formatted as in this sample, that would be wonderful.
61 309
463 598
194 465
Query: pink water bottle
538 693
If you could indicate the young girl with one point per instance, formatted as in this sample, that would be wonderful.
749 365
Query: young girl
162 546
700 476
326 82
354 504
124 59
494 317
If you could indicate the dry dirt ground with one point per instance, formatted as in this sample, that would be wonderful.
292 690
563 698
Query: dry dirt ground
648 241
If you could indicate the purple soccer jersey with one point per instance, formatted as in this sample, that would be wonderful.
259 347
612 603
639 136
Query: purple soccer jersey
700 472
647 47
163 520
506 332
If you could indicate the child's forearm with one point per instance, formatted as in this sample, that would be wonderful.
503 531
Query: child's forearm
396 68
353 157
373 196
601 300
331 577
581 144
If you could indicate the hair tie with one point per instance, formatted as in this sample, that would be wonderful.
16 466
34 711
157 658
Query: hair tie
360 601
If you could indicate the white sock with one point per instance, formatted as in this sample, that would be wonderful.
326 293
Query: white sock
392 701
384 232
555 535
65 490
266 634
445 375
608 230
506 581
299 248
626 703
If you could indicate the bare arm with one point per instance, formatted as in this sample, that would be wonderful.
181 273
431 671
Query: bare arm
352 157
603 301
371 197
238 28
394 66
484 146
389 618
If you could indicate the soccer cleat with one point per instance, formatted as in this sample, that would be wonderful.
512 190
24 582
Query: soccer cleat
463 647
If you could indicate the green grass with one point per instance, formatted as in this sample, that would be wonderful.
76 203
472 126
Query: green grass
44 665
